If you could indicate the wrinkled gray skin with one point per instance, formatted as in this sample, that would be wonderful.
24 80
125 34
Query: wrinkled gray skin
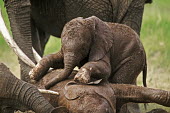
19 95
33 21
101 50
99 98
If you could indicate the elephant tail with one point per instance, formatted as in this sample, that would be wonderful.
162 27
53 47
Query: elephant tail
145 74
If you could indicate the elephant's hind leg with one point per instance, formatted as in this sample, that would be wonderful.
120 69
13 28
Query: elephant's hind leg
129 71
127 74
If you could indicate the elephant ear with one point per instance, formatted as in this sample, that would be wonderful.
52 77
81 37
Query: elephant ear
102 40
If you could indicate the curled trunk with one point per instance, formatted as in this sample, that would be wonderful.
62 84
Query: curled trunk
22 92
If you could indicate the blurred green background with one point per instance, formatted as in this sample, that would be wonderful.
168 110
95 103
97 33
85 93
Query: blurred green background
155 36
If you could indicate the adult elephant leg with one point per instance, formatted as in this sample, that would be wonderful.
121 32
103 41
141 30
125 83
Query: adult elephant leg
35 38
44 37
134 14
39 38
20 20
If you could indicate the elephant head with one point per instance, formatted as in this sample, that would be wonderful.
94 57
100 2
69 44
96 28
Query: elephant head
89 37
19 95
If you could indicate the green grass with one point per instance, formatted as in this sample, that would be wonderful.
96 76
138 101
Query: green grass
155 36
53 45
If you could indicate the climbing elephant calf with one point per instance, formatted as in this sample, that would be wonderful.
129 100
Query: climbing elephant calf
102 51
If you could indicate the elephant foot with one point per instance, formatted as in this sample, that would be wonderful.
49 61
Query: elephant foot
38 72
83 76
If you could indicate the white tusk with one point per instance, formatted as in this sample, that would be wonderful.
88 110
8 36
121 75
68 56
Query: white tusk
12 43
76 68
36 55
48 91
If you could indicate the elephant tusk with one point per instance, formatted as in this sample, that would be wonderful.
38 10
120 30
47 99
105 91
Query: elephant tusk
36 55
48 91
9 40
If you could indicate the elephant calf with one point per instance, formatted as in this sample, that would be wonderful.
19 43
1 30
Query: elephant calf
101 98
103 50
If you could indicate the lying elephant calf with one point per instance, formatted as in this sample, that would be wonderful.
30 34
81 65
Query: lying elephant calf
101 98
102 50
77 98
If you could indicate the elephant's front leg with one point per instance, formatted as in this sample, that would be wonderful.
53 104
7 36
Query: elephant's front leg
52 60
95 69
134 15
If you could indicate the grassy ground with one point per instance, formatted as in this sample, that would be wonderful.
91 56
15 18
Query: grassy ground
154 35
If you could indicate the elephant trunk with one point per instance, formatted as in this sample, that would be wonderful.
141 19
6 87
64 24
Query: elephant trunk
25 93
32 98
132 93
70 61
20 21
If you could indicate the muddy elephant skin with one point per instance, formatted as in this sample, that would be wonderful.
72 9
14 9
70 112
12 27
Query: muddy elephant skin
82 98
102 50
